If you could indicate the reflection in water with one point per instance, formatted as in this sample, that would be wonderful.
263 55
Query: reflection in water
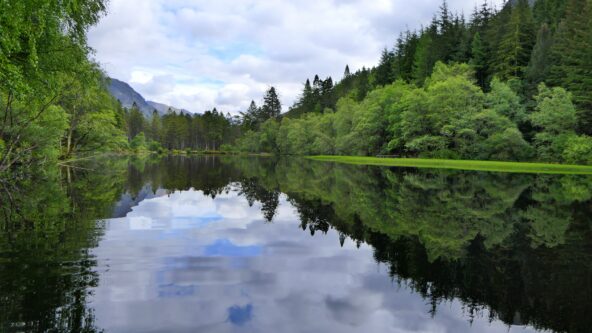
213 244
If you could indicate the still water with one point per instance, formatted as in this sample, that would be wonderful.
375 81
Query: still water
212 244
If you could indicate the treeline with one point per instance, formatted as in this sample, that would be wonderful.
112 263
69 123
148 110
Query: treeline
53 98
210 131
180 131
511 84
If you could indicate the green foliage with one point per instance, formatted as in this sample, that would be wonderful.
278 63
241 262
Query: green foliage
540 62
479 60
424 59
138 142
53 101
555 115
578 150
272 107
472 75
571 61
516 42
505 101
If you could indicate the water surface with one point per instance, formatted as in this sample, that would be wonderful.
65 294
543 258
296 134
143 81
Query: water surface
262 245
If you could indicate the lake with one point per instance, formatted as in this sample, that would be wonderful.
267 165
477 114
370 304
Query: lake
248 244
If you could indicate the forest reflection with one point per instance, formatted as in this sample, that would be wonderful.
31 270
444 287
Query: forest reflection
516 245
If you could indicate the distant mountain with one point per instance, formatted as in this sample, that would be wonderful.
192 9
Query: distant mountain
164 109
127 96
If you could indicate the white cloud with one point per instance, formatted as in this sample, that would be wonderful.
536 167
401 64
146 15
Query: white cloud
224 53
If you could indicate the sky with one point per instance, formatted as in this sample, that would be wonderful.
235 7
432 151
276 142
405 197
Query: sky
200 54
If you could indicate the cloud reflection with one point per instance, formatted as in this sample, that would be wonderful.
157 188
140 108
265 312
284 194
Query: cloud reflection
187 262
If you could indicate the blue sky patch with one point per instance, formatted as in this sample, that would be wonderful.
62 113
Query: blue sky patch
225 248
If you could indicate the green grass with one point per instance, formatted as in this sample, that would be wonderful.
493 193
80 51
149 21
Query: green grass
511 167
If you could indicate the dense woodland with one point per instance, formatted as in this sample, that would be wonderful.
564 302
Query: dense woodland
513 83
508 83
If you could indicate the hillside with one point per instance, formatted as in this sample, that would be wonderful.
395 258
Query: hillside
127 96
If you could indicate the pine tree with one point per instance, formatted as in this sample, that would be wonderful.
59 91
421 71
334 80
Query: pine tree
155 126
538 68
327 94
549 12
479 60
384 70
424 59
571 56
513 52
272 107
346 73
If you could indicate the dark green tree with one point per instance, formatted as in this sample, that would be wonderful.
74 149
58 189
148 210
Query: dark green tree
514 49
572 61
272 107
479 60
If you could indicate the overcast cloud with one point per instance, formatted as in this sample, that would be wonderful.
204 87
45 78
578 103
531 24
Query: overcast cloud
196 54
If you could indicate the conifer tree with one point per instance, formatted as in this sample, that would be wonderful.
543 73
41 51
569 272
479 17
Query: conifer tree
384 70
272 107
423 61
571 56
479 60
513 52
538 68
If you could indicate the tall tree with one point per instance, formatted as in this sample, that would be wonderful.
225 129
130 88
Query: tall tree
424 59
572 61
479 60
384 71
513 52
272 107
540 62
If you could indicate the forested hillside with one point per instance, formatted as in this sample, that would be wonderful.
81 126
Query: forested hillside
513 83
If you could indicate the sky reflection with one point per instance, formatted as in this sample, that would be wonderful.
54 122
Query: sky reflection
188 262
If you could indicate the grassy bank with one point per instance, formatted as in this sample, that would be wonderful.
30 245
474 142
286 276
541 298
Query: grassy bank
511 167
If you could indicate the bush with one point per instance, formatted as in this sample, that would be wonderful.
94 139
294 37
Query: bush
578 150
138 142
155 146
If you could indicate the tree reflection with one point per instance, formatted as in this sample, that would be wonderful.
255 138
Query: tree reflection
517 245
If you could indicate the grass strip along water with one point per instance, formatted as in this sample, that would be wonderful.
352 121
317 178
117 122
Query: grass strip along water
491 166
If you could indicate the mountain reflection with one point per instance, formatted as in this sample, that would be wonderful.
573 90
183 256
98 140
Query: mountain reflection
218 236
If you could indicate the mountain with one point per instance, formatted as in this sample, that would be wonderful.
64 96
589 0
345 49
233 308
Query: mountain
127 96
164 109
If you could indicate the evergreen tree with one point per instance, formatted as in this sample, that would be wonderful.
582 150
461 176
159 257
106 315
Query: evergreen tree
135 121
479 60
424 59
513 52
571 56
549 12
346 73
155 126
251 116
538 68
384 71
326 94
272 107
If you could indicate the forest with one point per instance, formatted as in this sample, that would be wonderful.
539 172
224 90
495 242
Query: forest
508 84
511 83
54 101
